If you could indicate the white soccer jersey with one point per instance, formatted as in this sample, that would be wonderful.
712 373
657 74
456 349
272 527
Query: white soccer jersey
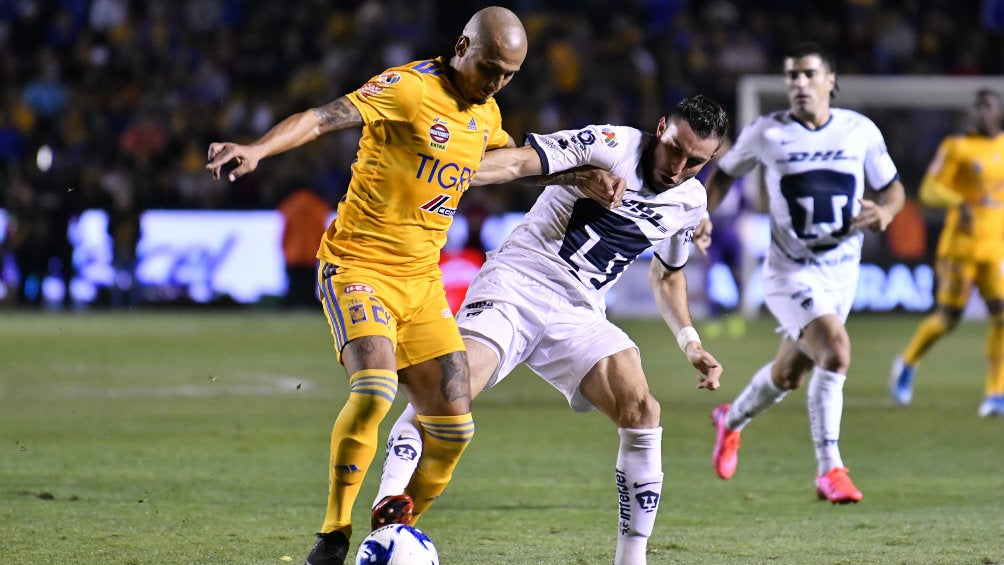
814 179
572 244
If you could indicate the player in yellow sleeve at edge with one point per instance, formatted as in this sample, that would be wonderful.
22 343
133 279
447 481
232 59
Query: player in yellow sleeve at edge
967 177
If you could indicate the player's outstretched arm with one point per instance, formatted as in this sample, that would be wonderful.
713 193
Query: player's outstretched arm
670 290
523 163
290 133
506 164
878 216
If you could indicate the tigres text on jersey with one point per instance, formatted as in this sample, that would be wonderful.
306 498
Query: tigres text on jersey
420 146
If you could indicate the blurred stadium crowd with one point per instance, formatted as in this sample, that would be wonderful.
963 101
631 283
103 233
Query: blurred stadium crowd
112 103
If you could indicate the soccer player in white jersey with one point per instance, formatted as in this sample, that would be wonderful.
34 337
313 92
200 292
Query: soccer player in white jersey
539 299
817 162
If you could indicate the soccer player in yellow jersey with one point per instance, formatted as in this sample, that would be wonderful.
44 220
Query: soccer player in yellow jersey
425 127
967 177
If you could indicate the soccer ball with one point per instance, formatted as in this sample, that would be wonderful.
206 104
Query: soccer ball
397 544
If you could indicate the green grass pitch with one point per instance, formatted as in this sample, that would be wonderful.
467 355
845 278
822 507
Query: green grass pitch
202 438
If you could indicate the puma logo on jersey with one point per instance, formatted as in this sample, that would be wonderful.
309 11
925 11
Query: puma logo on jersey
438 206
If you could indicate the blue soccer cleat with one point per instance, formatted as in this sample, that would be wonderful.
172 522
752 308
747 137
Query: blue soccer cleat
901 381
992 405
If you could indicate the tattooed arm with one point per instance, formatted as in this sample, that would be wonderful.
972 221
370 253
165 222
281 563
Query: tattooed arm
290 133
523 163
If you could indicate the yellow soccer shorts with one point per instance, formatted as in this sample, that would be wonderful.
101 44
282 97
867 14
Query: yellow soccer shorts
411 311
956 277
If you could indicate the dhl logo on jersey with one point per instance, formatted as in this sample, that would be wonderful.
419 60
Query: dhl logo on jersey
814 156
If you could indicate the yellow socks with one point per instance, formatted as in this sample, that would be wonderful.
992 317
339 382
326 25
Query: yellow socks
445 439
354 440
929 331
995 355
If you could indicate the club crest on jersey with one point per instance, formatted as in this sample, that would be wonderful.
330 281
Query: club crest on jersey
804 298
438 206
357 313
609 137
357 287
439 135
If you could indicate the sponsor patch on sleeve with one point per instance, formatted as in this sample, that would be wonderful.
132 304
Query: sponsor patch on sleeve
357 287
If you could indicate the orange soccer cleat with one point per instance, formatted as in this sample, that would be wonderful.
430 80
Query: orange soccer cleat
394 509
725 456
836 486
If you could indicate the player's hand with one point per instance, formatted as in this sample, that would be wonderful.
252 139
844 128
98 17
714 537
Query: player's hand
702 235
872 216
222 153
965 223
705 362
602 186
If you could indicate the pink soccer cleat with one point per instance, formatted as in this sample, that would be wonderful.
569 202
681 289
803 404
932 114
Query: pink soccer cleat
836 486
725 456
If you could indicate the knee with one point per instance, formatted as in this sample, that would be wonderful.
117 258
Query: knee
836 356
787 377
641 412
949 317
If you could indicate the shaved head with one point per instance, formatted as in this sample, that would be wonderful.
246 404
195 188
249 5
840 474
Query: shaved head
496 26
488 54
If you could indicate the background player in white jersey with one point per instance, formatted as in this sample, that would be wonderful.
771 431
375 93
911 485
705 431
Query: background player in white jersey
539 299
817 161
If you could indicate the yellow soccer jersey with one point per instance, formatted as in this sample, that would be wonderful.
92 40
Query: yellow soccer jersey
972 166
420 146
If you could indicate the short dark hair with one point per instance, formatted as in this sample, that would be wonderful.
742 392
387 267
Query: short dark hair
806 48
989 93
706 117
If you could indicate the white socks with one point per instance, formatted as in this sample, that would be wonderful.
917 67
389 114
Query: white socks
825 397
404 447
760 394
639 488
826 405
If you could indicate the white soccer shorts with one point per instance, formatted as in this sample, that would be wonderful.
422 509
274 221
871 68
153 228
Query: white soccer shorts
796 294
525 322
